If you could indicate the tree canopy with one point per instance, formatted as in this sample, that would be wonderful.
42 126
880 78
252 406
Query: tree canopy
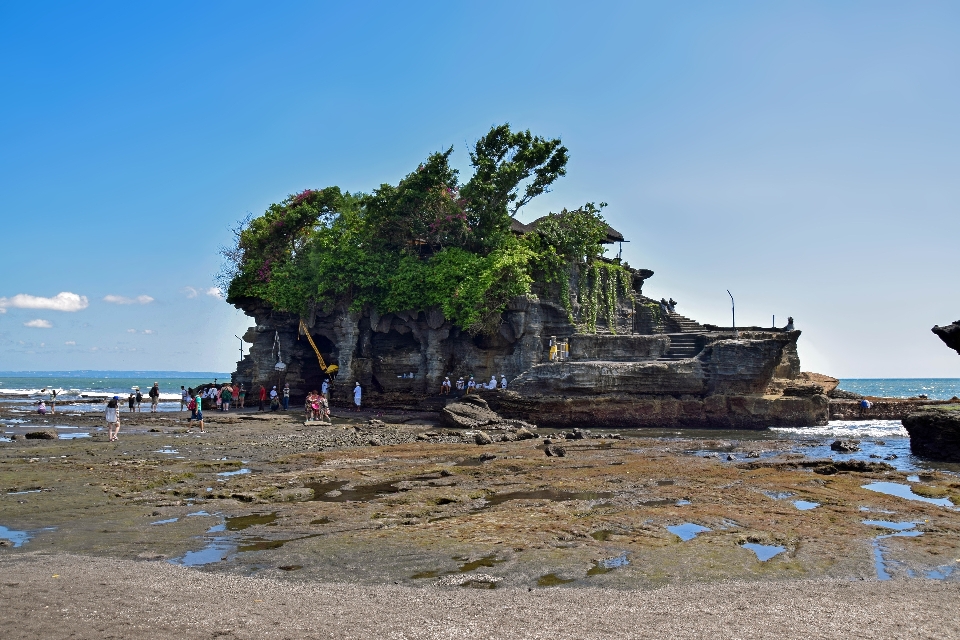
426 242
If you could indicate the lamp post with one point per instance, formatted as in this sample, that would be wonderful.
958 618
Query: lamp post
733 311
241 346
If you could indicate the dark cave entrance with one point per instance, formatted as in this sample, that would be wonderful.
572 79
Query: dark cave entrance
313 377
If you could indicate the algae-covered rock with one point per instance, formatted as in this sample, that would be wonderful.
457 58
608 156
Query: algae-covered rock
43 434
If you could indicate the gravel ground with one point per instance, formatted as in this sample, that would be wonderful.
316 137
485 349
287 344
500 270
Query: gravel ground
63 596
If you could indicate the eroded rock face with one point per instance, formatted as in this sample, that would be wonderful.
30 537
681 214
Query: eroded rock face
473 412
950 334
934 434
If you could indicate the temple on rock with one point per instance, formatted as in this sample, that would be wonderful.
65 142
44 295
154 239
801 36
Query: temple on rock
640 365
435 278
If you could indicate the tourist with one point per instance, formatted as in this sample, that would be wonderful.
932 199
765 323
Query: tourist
310 405
184 397
226 396
217 394
199 417
286 397
493 382
357 392
324 414
471 385
445 387
242 395
325 390
193 406
42 408
503 381
263 397
139 398
53 401
672 305
112 417
131 402
789 326
460 384
864 406
154 394
274 399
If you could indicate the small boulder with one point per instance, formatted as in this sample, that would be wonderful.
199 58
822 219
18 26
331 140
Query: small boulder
484 457
845 446
375 441
753 454
43 434
482 438
555 450
524 434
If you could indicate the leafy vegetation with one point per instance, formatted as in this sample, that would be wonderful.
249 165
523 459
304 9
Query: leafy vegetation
431 242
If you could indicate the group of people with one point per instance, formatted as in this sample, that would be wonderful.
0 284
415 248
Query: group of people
317 406
472 385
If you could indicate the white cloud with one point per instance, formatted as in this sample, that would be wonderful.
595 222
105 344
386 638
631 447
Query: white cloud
70 343
38 324
63 301
131 330
191 292
112 299
149 331
215 292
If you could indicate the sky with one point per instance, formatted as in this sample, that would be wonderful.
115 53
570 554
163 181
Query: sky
803 155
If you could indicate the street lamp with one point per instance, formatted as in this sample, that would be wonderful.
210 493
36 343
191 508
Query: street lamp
733 311
241 346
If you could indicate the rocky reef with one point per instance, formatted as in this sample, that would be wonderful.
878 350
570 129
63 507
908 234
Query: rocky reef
950 334
644 367
935 433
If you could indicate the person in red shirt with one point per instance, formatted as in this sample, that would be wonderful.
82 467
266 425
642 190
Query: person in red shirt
263 397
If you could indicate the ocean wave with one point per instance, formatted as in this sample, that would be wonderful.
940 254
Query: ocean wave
850 429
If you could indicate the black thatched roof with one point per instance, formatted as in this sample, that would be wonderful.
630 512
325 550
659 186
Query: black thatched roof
521 229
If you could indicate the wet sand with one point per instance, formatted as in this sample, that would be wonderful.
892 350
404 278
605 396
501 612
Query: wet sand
64 596
386 527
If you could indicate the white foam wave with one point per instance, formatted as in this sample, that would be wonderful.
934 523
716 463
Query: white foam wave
851 429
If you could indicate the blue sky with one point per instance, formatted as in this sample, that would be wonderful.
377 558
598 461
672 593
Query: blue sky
802 155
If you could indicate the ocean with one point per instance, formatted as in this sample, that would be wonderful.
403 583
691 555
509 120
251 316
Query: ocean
933 388
83 390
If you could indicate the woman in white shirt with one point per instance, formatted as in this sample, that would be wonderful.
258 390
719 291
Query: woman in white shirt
112 417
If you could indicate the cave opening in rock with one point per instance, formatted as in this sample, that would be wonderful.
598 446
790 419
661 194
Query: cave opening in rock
313 377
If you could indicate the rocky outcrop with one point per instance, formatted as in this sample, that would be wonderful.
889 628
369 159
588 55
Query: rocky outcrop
934 434
880 408
950 334
473 412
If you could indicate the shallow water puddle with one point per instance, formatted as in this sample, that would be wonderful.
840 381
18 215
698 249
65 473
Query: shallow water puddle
805 505
216 550
552 580
905 492
778 495
687 531
902 529
764 551
238 472
607 565
167 521
239 523
467 566
18 538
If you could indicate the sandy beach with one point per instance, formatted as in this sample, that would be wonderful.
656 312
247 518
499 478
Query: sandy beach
66 596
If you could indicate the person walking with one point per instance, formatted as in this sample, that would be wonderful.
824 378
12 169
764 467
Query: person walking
131 401
112 418
325 390
53 401
199 417
184 398
286 397
193 405
243 395
154 394
263 397
139 398
357 393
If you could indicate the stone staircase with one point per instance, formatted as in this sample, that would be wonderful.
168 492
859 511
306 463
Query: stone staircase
684 324
682 346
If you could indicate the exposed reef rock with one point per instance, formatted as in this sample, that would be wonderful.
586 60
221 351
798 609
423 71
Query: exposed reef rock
950 334
934 434
641 365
